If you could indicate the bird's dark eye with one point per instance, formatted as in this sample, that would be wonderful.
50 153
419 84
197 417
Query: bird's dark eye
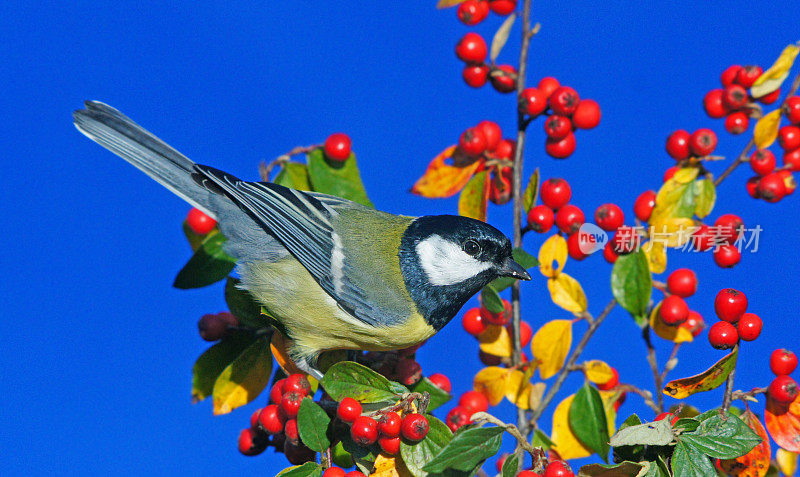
472 247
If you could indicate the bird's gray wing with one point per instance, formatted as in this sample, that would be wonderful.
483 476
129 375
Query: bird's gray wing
302 222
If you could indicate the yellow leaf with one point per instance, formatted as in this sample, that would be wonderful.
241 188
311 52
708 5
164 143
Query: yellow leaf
448 3
676 334
685 175
518 389
537 393
443 180
766 130
496 341
567 293
787 462
550 346
243 379
598 371
656 256
491 382
671 232
553 249
673 195
772 79
388 466
609 398
565 443
475 197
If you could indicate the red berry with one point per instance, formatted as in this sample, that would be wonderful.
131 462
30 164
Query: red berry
752 187
475 75
788 180
734 97
348 410
250 443
560 148
587 115
789 138
500 185
334 472
474 322
364 430
557 127
215 327
569 219
748 75
441 381
609 254
414 427
492 132
574 247
525 332
473 402
702 142
532 102
297 383
737 123
713 104
503 7
276 392
703 238
472 142
540 218
290 403
771 187
471 48
389 424
458 417
504 78
555 193
643 207
674 310
694 323
762 161
199 222
472 12
730 305
291 430
770 97
667 415
682 282
791 109
501 318
337 147
749 326
728 76
723 335
729 228
355 473
558 468
500 462
505 149
727 256
547 85
678 145
529 473
609 217
791 159
670 173
782 361
564 101
389 445
626 240
611 383
783 389
272 419
409 372
254 418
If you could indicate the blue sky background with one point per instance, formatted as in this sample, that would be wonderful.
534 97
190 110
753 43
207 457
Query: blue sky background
98 347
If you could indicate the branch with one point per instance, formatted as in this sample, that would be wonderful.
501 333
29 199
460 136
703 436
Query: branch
265 170
646 395
671 362
522 441
653 361
749 395
726 399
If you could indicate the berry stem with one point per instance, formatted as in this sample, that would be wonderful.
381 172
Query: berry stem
653 361
646 395
748 395
728 397
522 441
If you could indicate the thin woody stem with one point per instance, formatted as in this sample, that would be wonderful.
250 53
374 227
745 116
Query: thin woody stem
728 397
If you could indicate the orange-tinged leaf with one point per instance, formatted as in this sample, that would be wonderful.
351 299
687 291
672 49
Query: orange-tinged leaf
565 443
550 346
519 389
389 466
783 423
243 379
474 198
496 341
709 379
598 372
772 79
280 350
444 180
552 250
756 462
787 462
491 382
766 130
448 3
676 334
567 293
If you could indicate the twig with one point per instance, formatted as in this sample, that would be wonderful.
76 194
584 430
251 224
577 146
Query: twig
265 170
671 362
748 395
726 399
646 395
653 361
522 441
573 358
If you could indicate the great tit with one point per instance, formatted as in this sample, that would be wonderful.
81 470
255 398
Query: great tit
335 274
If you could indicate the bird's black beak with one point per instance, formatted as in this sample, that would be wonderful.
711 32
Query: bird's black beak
510 268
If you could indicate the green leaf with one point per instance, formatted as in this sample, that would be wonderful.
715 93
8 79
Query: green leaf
491 300
415 456
309 469
623 469
208 265
437 395
657 433
706 196
658 469
214 360
632 420
244 379
349 379
342 180
685 425
529 196
540 439
312 424
193 237
467 449
690 462
523 258
510 466
587 419
631 284
242 305
294 175
341 457
722 437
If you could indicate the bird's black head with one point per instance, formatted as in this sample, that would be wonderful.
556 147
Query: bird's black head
446 259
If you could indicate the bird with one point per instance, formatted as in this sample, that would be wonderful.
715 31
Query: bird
335 274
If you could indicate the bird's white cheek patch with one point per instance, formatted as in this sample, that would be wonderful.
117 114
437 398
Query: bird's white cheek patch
445 263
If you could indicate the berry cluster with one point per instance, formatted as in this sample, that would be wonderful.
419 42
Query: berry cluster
477 320
733 102
337 147
468 404
682 283
773 185
682 146
472 12
565 113
472 50
783 388
735 323
485 142
552 468
339 472
386 430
